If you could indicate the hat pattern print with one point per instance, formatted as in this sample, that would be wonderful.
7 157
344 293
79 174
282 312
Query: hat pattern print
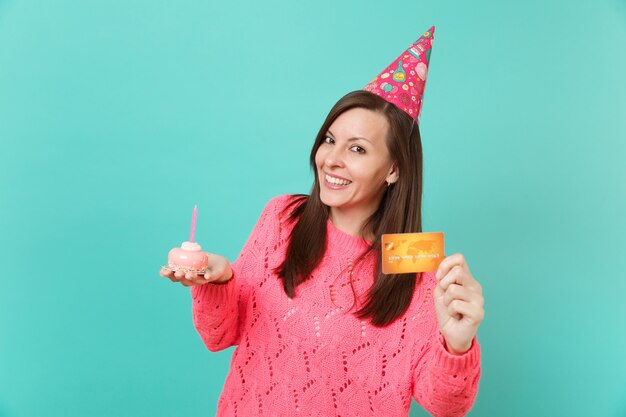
402 83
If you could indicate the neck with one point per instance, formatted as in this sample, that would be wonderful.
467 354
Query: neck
350 222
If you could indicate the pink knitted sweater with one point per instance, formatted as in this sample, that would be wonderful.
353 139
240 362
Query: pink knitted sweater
310 356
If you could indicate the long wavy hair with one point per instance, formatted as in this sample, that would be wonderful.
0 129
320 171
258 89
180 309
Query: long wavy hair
399 212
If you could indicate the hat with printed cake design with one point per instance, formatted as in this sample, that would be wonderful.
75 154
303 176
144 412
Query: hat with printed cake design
402 83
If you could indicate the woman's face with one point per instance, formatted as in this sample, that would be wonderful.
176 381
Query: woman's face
353 163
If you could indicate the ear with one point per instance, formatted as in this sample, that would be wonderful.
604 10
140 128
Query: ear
392 175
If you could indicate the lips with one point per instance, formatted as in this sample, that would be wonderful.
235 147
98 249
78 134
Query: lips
334 182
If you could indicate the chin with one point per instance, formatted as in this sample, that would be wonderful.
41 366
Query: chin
327 201
331 201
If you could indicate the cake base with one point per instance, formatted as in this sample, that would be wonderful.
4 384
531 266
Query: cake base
184 269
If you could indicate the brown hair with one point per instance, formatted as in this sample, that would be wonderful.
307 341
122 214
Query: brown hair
399 212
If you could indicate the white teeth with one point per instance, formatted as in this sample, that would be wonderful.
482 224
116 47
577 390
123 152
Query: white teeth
336 181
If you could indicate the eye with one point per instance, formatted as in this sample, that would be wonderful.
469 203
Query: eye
357 149
328 139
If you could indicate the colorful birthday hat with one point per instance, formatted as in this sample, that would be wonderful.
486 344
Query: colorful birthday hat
402 83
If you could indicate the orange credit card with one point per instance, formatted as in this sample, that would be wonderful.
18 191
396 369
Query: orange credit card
411 252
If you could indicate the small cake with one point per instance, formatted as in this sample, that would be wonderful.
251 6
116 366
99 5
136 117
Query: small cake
188 258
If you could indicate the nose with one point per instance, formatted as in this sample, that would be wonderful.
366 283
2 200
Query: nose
334 157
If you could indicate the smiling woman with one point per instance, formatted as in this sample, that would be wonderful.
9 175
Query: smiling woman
319 329
354 169
368 181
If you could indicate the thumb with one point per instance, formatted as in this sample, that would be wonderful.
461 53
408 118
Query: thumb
218 277
440 309
438 293
210 276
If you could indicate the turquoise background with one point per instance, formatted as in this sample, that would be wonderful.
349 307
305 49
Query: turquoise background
116 117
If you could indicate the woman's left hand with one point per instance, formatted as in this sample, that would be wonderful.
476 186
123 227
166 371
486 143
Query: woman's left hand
458 302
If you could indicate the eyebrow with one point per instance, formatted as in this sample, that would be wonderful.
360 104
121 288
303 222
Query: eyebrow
353 138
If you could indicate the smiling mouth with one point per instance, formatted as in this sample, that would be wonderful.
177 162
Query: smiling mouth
336 181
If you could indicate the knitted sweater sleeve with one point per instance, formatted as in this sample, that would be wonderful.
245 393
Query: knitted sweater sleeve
445 384
219 309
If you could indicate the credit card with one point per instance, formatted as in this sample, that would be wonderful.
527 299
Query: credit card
411 252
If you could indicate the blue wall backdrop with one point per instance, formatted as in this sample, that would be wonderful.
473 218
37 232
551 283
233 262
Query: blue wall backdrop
116 117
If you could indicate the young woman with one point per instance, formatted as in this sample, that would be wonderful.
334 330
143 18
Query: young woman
319 330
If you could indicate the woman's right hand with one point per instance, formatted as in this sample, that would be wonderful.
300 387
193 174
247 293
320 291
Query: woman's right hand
218 272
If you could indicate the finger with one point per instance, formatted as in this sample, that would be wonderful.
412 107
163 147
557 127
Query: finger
453 292
454 276
461 276
439 292
459 292
199 280
464 310
165 272
450 262
196 279
210 276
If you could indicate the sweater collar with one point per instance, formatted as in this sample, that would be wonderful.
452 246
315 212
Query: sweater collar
350 245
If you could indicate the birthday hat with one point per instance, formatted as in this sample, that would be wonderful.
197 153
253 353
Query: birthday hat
402 82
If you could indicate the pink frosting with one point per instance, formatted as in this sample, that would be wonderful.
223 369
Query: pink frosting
189 256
